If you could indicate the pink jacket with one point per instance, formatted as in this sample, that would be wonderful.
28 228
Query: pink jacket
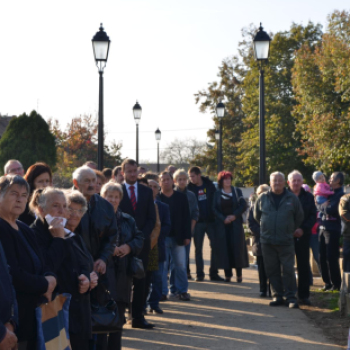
322 189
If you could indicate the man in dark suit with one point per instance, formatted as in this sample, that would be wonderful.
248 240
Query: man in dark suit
138 202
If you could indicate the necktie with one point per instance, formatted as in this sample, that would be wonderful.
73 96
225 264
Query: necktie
133 197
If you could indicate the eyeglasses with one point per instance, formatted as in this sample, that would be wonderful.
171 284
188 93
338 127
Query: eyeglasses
15 170
88 182
79 212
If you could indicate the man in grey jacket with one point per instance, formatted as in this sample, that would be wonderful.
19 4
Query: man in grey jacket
279 213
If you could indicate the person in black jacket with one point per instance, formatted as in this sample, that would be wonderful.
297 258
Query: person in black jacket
302 235
254 227
31 278
138 202
204 190
8 306
178 237
66 261
38 175
330 230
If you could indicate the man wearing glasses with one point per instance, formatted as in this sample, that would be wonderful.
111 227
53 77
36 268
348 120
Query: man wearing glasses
13 167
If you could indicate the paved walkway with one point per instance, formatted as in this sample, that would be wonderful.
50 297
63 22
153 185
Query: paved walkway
227 316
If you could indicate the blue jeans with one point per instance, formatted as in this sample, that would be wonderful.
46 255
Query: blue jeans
199 233
176 255
157 284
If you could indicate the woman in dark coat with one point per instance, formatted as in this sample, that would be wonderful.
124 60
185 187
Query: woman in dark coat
128 244
31 278
67 259
254 227
38 175
229 244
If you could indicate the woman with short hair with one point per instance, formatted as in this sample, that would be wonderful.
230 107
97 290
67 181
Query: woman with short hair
129 243
31 278
230 246
66 256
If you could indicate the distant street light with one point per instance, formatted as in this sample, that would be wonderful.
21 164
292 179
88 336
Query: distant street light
137 110
261 44
220 112
158 136
100 45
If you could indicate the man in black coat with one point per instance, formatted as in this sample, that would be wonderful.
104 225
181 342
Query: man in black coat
98 226
204 190
178 237
8 306
302 235
138 202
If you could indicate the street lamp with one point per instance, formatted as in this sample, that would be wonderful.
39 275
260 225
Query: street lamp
217 138
261 44
100 45
137 110
158 136
220 112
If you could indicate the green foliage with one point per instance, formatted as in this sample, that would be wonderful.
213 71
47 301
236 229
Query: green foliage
321 79
28 139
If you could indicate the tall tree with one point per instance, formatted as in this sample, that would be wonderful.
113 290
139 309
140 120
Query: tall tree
76 144
321 79
28 139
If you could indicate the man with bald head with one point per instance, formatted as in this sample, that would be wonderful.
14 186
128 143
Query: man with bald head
279 214
302 234
14 167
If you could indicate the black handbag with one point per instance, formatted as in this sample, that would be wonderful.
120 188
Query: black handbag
137 268
104 312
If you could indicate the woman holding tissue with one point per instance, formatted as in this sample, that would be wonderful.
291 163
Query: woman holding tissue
30 276
71 265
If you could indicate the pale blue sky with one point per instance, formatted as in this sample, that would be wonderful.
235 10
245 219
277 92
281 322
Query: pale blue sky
162 52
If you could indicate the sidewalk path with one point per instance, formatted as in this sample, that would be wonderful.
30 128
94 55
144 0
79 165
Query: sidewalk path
227 316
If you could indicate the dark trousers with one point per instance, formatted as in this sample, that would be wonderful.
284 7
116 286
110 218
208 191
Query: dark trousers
346 255
283 281
148 280
200 230
140 285
113 342
262 274
77 343
302 252
329 257
229 274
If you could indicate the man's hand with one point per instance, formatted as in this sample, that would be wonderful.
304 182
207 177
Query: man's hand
124 250
231 218
51 287
9 342
84 284
93 279
187 242
298 233
100 266
227 220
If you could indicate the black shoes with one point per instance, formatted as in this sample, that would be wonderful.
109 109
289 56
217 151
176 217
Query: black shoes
199 279
141 323
327 287
263 295
277 302
163 298
184 296
156 310
305 301
216 278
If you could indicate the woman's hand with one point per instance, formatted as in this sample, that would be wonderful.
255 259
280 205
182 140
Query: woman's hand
56 228
227 220
123 250
231 218
9 342
93 279
84 284
100 266
51 287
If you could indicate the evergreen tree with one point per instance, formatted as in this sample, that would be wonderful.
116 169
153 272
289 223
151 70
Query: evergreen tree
28 139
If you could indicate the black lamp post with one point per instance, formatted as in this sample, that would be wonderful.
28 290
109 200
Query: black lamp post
220 112
261 44
137 110
217 138
158 135
100 45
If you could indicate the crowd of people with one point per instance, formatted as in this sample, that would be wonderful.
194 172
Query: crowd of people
127 232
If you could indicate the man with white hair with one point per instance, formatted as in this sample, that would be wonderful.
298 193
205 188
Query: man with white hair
98 226
302 234
279 213
14 167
